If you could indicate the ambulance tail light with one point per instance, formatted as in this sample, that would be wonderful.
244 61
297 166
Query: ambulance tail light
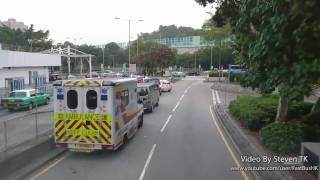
109 147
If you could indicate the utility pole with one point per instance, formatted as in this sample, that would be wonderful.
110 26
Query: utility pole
220 70
211 59
129 21
129 44
103 57
137 45
195 62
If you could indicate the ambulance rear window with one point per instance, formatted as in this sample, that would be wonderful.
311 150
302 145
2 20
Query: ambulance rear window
92 98
72 99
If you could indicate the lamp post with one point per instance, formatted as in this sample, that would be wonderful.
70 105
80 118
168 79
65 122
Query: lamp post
195 63
211 59
102 48
129 21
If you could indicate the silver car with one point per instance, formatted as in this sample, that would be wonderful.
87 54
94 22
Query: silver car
148 95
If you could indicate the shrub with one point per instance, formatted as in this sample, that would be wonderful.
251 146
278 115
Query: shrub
235 77
299 109
248 109
256 112
213 74
286 137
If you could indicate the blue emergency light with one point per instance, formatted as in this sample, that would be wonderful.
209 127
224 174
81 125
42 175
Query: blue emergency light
104 97
60 96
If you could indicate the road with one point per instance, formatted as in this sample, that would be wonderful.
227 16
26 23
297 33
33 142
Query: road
179 141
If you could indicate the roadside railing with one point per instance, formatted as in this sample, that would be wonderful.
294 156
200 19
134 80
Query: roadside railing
23 128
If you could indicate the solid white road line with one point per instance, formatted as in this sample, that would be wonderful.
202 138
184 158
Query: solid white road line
165 124
147 162
213 98
218 98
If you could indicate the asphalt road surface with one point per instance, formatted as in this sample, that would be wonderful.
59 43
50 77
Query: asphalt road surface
178 141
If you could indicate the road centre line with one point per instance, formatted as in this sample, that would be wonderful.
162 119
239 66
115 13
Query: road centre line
165 124
244 175
174 109
147 162
50 166
181 97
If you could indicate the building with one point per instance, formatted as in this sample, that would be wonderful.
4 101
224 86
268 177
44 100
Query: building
187 44
13 24
123 45
25 67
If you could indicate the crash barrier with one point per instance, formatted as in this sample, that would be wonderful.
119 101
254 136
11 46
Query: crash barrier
46 89
18 130
312 151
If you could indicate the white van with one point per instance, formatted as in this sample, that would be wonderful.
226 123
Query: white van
95 114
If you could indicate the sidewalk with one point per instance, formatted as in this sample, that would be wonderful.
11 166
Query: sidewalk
245 142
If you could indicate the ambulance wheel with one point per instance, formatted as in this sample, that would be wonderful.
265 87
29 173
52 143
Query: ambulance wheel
141 121
125 140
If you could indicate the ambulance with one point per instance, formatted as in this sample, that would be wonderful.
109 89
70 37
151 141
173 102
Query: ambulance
95 114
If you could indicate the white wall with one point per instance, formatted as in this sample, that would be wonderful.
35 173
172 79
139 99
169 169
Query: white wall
21 72
27 59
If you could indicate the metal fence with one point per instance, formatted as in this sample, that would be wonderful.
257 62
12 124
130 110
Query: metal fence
18 130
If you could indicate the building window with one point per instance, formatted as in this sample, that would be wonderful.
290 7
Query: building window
92 99
72 99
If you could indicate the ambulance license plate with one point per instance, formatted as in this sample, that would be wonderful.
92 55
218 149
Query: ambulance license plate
84 146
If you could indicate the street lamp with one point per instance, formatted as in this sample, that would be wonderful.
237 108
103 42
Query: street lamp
211 58
129 21
195 63
102 48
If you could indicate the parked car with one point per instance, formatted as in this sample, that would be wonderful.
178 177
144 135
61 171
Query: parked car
24 99
233 68
105 73
165 86
138 77
153 80
93 75
55 76
149 96
193 73
178 74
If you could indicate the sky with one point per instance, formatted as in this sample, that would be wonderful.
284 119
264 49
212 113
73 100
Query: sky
93 21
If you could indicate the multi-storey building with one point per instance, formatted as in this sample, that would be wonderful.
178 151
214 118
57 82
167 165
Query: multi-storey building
13 24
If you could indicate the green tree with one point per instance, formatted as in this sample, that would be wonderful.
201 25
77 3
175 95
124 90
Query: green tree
278 42
153 57
171 31
25 40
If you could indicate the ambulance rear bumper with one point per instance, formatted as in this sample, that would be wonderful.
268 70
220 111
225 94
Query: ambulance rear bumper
85 147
